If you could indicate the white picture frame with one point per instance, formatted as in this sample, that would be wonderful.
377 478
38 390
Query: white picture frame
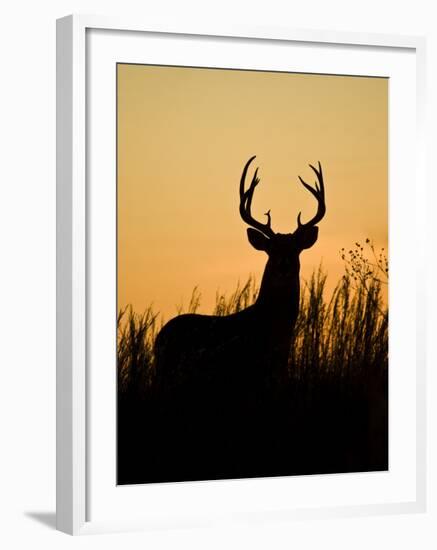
206 502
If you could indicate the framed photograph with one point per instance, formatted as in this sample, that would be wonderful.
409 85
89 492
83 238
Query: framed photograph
235 338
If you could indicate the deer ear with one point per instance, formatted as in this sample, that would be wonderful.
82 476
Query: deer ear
309 237
258 240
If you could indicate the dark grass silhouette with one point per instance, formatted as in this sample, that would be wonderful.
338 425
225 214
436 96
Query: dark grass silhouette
328 414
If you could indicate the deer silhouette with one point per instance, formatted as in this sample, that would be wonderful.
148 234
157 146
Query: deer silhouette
245 353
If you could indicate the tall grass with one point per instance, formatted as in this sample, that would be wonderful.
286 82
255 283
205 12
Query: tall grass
135 341
331 414
344 334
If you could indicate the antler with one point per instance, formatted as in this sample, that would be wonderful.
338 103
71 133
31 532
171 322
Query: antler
319 194
246 203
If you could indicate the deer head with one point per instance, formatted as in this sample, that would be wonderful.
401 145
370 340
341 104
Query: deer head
282 269
261 235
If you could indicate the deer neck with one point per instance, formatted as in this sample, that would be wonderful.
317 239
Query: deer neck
279 296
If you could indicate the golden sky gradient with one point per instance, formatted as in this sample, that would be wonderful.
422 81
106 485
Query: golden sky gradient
184 136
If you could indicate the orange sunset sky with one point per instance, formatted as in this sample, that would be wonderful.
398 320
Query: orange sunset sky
184 135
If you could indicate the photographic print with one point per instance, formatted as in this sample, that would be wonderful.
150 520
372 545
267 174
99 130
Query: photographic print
252 274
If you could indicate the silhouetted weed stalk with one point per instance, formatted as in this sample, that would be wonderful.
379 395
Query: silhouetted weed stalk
343 335
135 340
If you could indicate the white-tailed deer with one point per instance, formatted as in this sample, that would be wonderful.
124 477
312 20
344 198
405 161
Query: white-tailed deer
246 351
